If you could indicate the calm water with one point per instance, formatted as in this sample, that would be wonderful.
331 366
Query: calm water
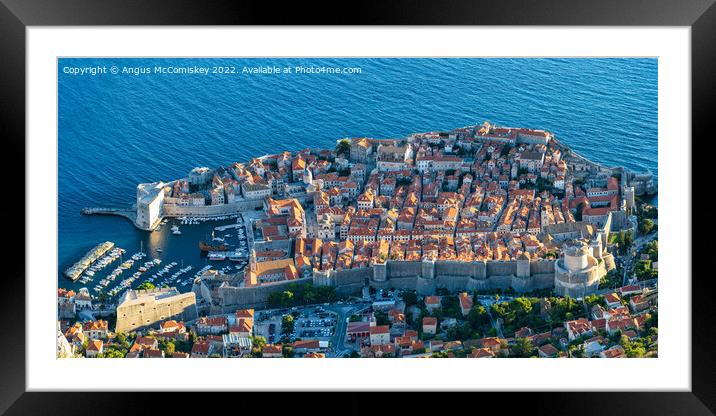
118 130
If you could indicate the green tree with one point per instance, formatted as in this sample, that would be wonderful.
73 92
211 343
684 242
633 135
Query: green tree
478 317
652 320
288 351
274 300
460 332
286 298
576 351
592 300
259 343
167 346
521 305
523 348
381 318
646 225
114 354
145 286
287 325
326 294
652 249
309 297
121 339
343 147
633 349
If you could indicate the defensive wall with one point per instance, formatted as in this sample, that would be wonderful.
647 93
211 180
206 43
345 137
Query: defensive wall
232 297
425 277
211 210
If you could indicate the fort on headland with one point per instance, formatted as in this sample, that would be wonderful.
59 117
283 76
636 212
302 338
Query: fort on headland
475 208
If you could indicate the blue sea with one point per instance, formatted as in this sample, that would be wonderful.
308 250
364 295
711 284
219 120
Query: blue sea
116 130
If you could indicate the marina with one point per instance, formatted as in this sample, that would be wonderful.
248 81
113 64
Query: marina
170 255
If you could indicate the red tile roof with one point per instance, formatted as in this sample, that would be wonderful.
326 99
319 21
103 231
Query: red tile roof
379 329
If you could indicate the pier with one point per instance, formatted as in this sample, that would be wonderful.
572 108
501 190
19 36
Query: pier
128 213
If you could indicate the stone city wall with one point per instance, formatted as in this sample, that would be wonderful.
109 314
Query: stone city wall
403 268
211 210
425 277
501 268
541 267
350 281
232 298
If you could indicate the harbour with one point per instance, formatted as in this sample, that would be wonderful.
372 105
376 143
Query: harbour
170 255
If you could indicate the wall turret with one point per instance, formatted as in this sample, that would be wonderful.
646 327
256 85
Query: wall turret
523 265
427 269
380 272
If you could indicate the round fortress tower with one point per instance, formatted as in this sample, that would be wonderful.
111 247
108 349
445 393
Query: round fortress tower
579 271
575 255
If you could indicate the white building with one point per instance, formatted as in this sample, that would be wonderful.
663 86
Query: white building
150 198
83 300
326 228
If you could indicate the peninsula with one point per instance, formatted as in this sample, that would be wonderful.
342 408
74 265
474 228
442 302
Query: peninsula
476 210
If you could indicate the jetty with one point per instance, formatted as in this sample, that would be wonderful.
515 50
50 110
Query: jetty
74 271
128 213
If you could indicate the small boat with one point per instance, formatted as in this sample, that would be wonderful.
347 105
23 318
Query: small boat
217 256
176 232
159 250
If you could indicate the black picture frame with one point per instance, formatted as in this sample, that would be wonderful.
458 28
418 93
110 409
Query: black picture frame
16 15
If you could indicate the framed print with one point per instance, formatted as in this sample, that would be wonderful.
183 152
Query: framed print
364 194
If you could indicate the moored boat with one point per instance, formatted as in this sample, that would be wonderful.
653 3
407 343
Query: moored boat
212 247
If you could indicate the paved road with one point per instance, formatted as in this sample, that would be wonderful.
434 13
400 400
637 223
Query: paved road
339 336
636 246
